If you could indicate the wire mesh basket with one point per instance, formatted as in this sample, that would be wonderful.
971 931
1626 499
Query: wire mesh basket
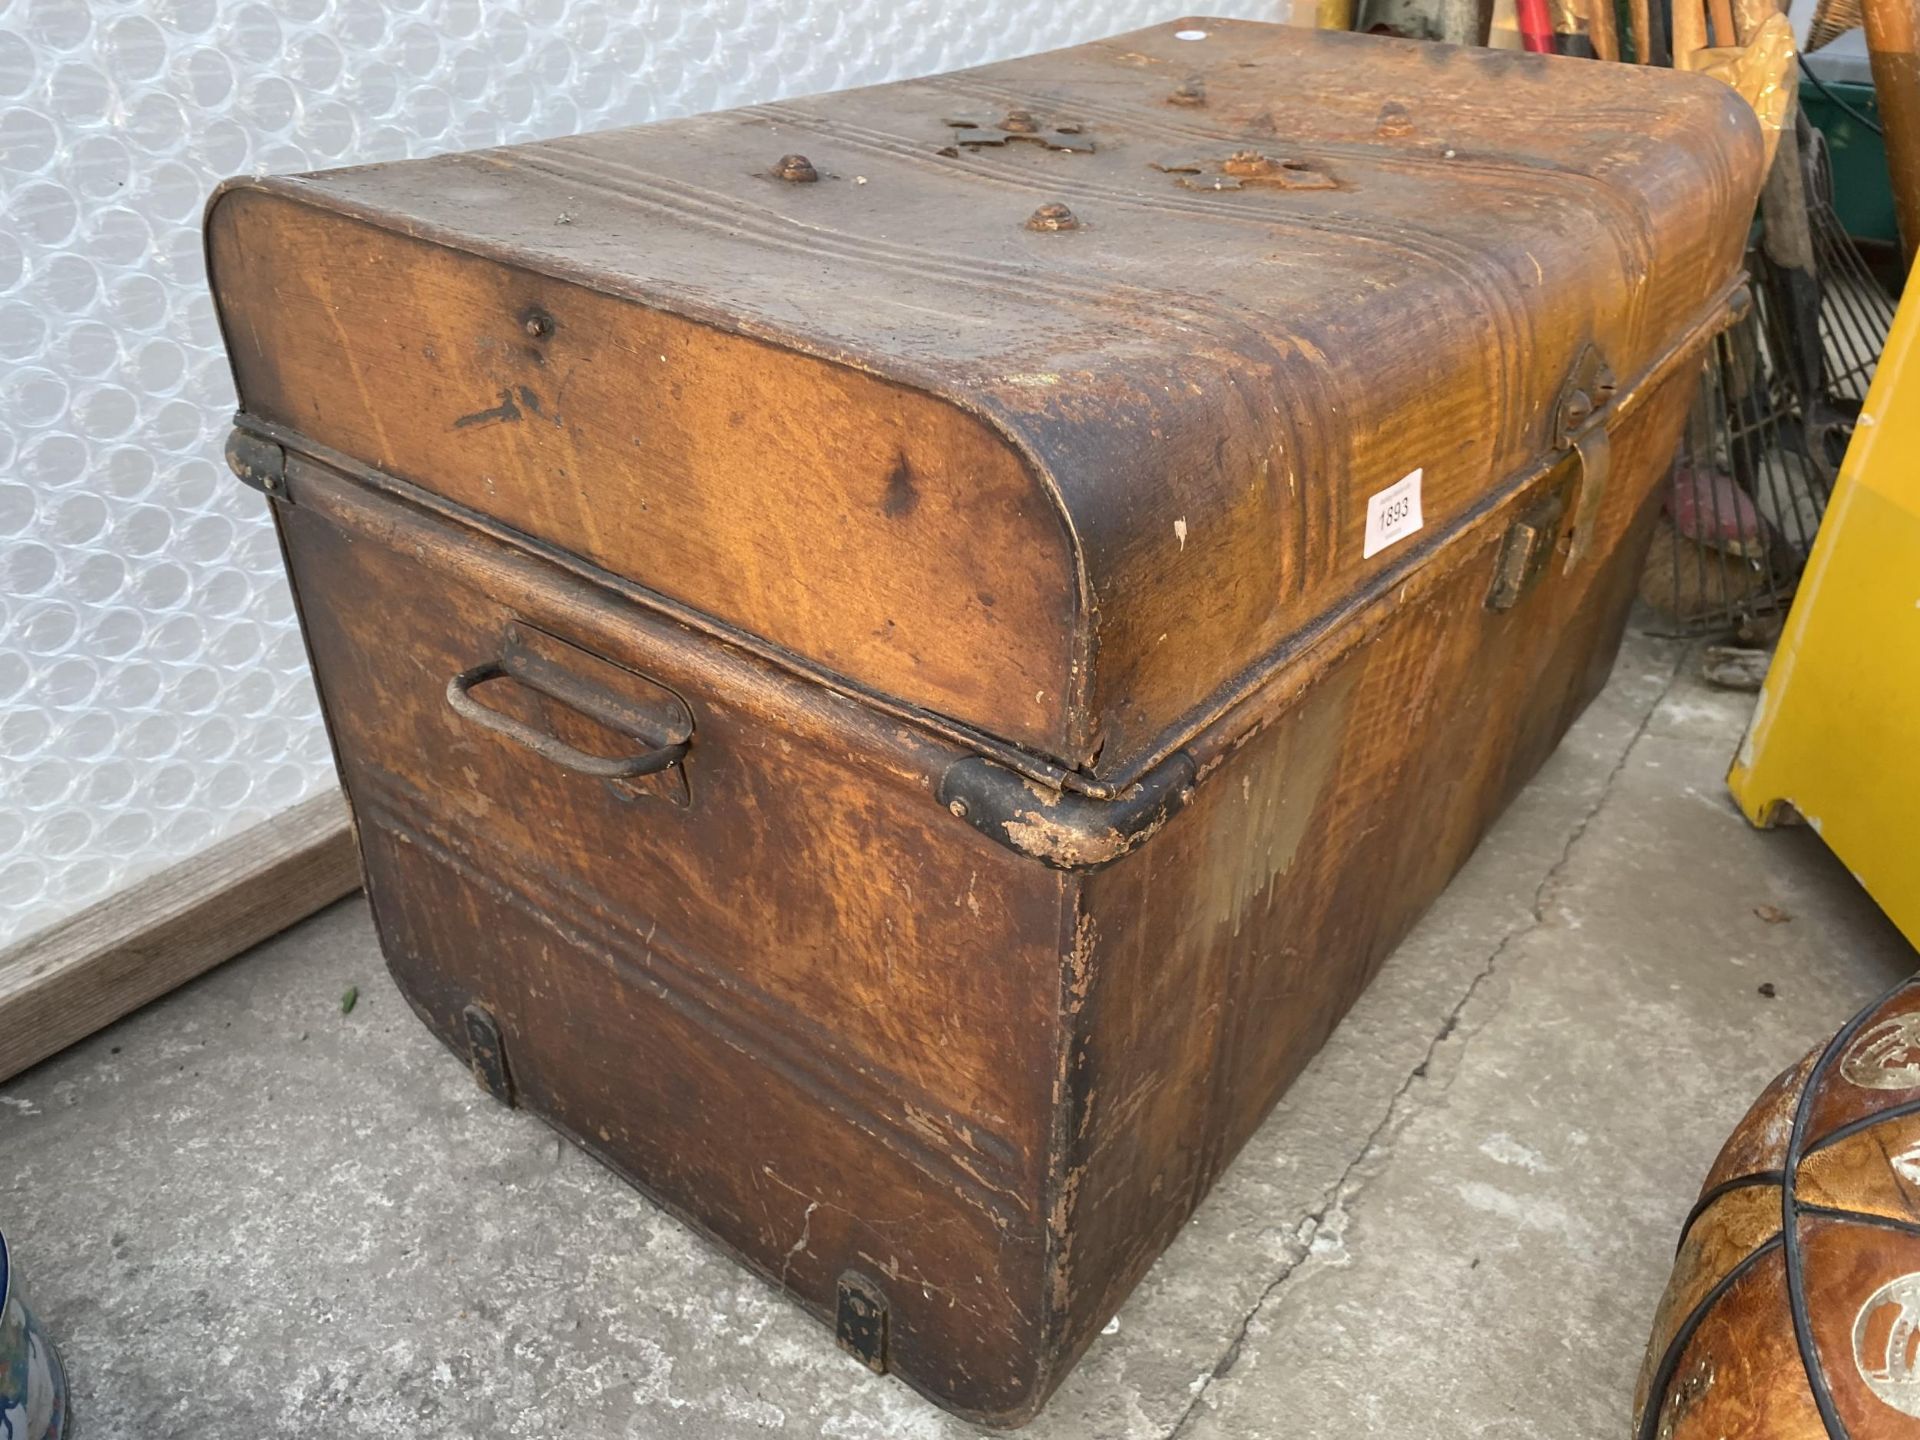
1778 400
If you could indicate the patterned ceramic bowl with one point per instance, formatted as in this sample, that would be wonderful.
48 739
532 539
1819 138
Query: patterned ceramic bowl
33 1387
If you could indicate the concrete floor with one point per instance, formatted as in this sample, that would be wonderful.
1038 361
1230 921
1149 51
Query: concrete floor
244 1214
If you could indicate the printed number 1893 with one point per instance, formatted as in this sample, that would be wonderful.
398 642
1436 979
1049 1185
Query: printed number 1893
1392 514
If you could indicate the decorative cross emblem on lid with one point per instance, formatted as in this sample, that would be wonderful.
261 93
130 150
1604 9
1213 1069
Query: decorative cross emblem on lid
1246 168
1015 125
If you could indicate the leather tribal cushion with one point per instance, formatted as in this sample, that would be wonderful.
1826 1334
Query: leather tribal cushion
1793 1311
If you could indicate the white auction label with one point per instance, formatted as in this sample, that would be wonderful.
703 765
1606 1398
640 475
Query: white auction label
1392 514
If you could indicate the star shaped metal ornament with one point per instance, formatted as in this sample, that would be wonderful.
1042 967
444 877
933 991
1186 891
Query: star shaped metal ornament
1245 169
1016 125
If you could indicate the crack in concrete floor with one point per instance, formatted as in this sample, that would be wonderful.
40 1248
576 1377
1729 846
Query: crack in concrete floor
1400 1106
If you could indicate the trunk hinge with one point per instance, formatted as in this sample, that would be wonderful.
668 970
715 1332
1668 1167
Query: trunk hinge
1580 425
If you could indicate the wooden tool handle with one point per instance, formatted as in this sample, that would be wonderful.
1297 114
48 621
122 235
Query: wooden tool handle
1605 33
1689 33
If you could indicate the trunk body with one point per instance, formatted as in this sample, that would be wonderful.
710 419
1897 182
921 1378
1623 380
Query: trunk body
901 728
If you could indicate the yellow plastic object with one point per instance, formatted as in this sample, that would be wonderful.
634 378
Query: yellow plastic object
1836 733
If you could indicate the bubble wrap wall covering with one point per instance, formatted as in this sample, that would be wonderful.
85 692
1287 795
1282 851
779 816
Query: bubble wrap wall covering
153 691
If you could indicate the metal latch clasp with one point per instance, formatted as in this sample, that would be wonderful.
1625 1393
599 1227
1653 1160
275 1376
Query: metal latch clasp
1527 547
1580 426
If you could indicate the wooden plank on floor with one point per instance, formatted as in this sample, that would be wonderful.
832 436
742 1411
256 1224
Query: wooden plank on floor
66 982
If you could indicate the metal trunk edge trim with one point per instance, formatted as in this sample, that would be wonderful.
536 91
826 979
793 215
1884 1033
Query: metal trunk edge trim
1060 829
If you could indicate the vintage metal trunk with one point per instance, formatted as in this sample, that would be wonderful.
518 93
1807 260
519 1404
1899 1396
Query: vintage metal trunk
900 658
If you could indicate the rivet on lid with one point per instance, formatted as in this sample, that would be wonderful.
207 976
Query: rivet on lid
1395 119
1054 216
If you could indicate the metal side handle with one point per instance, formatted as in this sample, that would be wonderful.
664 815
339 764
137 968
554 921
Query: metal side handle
460 697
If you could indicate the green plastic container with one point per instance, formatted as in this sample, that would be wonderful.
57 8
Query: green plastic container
1862 194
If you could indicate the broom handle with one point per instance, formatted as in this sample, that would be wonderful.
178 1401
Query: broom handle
1606 35
1893 32
1464 22
1536 25
1689 32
